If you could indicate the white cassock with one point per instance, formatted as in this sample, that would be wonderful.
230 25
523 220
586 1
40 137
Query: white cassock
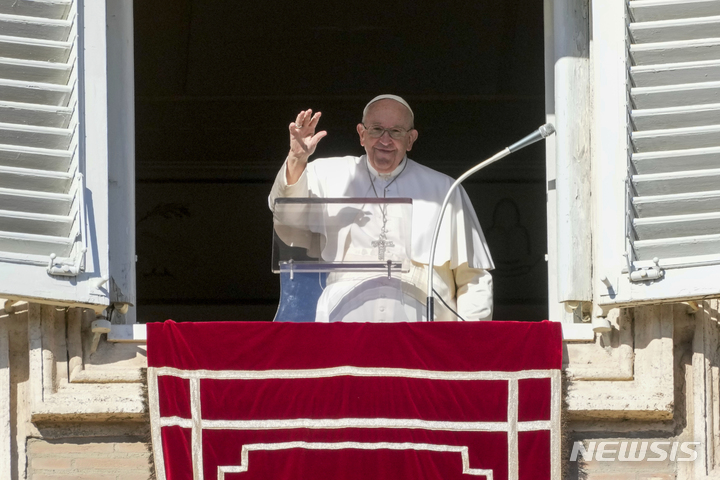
462 258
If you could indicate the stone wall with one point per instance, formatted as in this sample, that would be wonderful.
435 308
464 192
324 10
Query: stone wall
69 410
654 378
114 458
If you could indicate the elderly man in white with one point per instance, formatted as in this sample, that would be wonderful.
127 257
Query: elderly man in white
462 259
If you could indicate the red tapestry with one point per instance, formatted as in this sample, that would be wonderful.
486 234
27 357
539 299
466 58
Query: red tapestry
349 401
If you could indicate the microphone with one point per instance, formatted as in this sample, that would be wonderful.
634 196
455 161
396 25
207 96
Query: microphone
542 132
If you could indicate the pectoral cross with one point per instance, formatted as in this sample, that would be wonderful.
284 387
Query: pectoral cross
382 243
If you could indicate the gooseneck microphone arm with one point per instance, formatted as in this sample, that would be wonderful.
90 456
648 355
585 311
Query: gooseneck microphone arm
542 132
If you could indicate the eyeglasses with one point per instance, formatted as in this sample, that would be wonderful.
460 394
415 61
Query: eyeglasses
377 132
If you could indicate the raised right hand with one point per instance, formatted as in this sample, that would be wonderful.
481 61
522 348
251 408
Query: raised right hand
303 141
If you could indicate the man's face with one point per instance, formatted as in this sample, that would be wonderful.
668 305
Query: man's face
385 153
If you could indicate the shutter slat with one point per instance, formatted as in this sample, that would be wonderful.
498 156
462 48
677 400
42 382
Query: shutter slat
36 224
32 27
35 244
675 117
35 202
34 71
676 138
35 158
675 30
41 137
677 226
677 160
33 92
675 73
676 95
649 10
55 9
677 247
677 182
674 52
35 180
677 204
35 49
34 114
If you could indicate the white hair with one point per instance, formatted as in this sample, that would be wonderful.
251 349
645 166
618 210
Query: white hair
390 97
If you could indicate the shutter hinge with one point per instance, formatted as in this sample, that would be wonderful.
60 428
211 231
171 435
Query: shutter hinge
646 273
67 269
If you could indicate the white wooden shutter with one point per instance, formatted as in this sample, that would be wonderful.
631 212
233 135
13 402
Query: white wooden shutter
672 166
54 220
675 95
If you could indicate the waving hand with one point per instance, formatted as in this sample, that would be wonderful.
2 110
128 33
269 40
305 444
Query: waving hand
303 141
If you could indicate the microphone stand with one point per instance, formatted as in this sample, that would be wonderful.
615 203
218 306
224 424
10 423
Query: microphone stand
542 132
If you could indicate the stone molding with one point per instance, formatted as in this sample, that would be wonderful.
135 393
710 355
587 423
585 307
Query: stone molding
642 386
70 384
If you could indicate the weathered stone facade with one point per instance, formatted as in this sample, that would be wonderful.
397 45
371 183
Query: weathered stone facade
72 414
88 458
654 378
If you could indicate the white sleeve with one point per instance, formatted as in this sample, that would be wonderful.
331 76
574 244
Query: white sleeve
474 293
281 188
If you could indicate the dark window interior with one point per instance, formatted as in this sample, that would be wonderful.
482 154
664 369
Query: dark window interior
217 82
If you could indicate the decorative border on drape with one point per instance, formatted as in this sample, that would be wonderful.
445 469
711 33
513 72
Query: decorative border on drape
246 449
197 424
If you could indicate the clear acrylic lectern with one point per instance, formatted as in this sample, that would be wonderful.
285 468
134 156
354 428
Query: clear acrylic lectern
319 241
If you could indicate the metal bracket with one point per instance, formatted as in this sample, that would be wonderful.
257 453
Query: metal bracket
97 284
644 274
67 269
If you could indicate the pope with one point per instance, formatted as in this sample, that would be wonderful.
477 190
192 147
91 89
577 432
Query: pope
462 260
